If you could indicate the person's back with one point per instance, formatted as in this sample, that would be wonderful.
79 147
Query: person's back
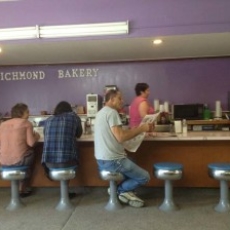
60 133
16 137
60 145
106 145
16 141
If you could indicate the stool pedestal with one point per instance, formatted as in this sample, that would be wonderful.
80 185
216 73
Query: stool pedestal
63 175
221 172
168 203
168 172
14 174
113 203
223 205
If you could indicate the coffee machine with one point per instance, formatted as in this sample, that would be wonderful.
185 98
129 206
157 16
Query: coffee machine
92 104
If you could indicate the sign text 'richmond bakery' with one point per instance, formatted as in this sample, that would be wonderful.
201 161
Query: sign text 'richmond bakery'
41 75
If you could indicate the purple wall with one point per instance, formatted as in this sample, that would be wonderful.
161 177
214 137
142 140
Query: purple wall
147 17
177 81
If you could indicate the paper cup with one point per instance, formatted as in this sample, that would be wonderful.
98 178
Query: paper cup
178 126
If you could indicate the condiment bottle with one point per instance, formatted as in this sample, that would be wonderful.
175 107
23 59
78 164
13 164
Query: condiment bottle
206 113
184 127
88 126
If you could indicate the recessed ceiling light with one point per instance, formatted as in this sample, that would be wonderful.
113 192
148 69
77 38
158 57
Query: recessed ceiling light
157 41
0 49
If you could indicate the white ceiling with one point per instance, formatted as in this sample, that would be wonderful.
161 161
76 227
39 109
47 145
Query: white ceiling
114 50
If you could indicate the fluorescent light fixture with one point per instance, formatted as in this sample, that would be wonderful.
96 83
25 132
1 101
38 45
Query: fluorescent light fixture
9 0
19 33
80 30
96 29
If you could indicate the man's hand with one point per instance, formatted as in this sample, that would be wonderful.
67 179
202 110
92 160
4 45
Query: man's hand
148 127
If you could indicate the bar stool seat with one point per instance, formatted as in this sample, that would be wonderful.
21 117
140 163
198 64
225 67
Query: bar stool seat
168 172
14 174
113 203
63 175
221 172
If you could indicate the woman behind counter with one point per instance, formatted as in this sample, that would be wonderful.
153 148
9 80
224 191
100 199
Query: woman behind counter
16 141
140 105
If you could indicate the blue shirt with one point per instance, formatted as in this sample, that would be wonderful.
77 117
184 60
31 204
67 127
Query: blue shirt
60 133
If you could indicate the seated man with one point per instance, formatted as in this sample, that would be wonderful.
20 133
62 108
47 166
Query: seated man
60 133
110 153
16 141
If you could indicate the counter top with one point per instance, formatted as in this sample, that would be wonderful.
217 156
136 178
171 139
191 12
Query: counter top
166 136
191 136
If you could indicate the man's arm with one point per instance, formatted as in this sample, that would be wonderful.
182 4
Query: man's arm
124 135
143 108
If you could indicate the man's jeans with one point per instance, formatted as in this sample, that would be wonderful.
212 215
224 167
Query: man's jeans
134 176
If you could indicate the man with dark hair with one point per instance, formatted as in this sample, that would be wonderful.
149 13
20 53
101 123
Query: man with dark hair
16 141
110 153
60 133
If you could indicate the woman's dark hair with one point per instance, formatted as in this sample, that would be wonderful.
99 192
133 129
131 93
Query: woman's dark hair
18 110
140 87
62 107
111 94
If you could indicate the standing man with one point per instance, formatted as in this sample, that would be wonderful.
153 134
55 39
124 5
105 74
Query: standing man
110 153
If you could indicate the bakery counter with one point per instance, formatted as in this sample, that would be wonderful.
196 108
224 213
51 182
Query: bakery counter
195 151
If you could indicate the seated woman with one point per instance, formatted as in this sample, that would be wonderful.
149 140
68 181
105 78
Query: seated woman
60 133
16 141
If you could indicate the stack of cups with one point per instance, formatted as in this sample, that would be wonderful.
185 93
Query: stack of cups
166 106
218 111
161 108
156 105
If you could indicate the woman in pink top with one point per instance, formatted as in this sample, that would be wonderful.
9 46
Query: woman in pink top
140 105
16 141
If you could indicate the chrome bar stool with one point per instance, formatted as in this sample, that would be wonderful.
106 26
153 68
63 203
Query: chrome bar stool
14 174
168 172
113 203
221 172
63 175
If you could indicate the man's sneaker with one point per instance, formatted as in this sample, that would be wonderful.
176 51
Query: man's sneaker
131 199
